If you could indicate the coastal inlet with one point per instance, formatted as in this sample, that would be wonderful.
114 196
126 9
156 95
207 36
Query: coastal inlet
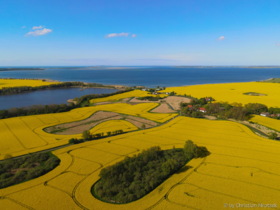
47 97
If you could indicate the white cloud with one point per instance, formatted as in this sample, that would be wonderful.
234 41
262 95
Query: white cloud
117 35
39 32
23 27
133 35
221 38
37 27
278 44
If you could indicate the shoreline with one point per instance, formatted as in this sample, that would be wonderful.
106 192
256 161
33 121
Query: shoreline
123 87
21 69
87 84
152 77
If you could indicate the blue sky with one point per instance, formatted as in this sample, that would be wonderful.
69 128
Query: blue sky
139 32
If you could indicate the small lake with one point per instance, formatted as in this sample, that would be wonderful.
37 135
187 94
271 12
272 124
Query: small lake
46 97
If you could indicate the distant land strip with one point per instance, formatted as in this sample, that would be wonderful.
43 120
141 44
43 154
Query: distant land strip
272 80
20 69
227 67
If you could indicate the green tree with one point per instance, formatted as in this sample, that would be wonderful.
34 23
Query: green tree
172 93
255 108
87 135
272 135
201 152
196 114
189 149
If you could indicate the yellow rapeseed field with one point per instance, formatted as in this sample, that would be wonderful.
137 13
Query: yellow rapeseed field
22 135
23 82
130 94
233 92
242 168
266 121
113 125
139 110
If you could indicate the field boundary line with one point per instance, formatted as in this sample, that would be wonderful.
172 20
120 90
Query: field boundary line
165 197
15 136
19 203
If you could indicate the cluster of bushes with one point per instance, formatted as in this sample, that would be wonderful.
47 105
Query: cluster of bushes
273 136
172 93
191 112
201 101
152 90
150 98
17 170
136 176
223 110
274 112
192 109
87 136
53 108
235 111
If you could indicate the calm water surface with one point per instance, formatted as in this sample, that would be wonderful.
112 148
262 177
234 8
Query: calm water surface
46 97
149 76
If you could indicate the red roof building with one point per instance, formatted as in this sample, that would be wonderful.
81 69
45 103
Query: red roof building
202 109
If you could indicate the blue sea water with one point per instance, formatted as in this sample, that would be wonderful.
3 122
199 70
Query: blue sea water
149 76
129 76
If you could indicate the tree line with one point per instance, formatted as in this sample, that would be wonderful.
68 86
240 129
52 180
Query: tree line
87 136
150 98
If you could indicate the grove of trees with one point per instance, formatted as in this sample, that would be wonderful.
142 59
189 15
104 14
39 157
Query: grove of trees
136 176
223 110
21 169
87 136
